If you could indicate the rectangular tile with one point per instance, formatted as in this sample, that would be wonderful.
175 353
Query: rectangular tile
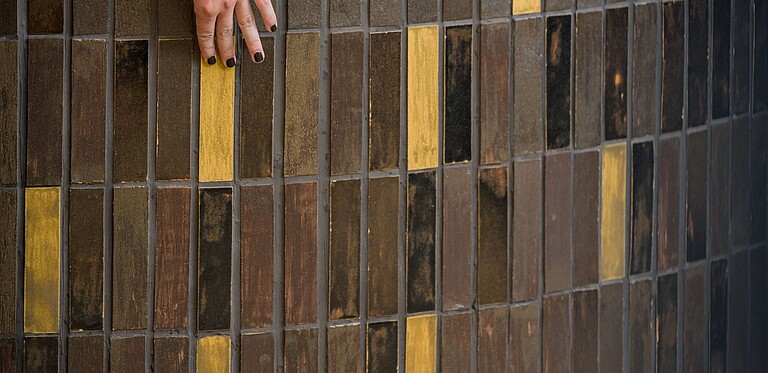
457 238
381 347
257 353
492 339
129 262
696 196
256 256
172 257
586 169
641 233
45 87
492 240
740 199
302 83
524 339
344 250
457 95
300 351
130 111
666 323
527 67
493 9
42 259
132 17
174 79
176 18
558 82
584 338
383 238
84 354
720 190
90 17
214 259
344 348
698 60
721 58
344 13
494 92
718 315
526 229
217 130
423 66
420 341
86 259
737 359
88 107
126 354
8 357
346 102
171 354
611 320
613 211
300 253
454 10
420 11
256 111
420 239
644 96
304 14
45 17
672 65
588 70
456 354
758 319
760 63
41 354
615 84
526 6
8 221
641 335
213 354
669 203
742 49
9 82
759 167
384 103
555 332
8 18
384 13
558 212
695 328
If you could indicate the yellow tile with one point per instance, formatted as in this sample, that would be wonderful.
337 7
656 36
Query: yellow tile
526 6
217 126
42 262
613 215
423 66
420 341
213 354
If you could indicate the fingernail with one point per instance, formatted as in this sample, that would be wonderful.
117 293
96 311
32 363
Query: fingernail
258 57
231 62
274 28
211 60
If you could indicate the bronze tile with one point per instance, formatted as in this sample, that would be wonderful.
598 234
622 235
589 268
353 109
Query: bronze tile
454 10
41 354
525 339
555 5
586 168
611 321
720 190
344 13
257 353
455 352
615 87
554 329
420 238
696 196
666 324
86 258
491 339
126 355
344 250
256 109
458 94
758 320
7 19
384 91
177 18
641 335
494 93
132 17
171 354
173 101
90 17
698 60
558 82
584 313
672 65
256 256
759 166
303 14
721 59
741 56
384 13
130 108
457 238
718 316
381 351
45 16
737 359
382 245
172 220
300 348
84 353
420 11
492 241
214 259
644 96
558 213
695 321
588 70
8 110
8 354
526 230
740 201
8 261
527 86
344 348
669 203
301 92
300 253
346 102
45 86
88 110
641 241
129 259
760 64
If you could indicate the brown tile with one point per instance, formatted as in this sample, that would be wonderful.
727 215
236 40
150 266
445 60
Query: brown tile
558 213
303 14
611 321
720 190
457 238
44 111
527 86
8 261
455 352
737 359
346 102
586 168
170 354
384 13
758 319
420 11
126 355
214 259
45 16
740 201
41 354
300 351
555 5
256 110
525 338
641 335
257 353
718 316
457 146
584 342
8 109
84 354
615 87
172 257
696 196
454 10
300 253
695 321
130 108
492 241
666 324
721 60
173 101
177 18
344 348
494 92
420 238
558 82
698 60
555 334
381 347
742 49
129 261
86 258
641 240
526 230
88 110
492 339
669 203
302 100
8 18
132 17
344 250
344 13
588 70
90 17
383 240
8 354
672 65
256 256
645 36
759 167
384 91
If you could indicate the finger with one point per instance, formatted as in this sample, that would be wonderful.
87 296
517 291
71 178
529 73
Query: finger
267 13
224 32
206 26
247 25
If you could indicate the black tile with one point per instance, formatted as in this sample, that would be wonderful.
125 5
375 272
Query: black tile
558 82
740 199
737 359
421 242
214 259
672 65
759 168
130 111
720 189
698 58
669 203
381 351
615 76
666 324
696 197
41 354
458 94
642 207
86 259
742 55
718 316
721 58
758 311
760 64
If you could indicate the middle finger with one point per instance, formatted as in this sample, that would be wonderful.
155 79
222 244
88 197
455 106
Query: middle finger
224 32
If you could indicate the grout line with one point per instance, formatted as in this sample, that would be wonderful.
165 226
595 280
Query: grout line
682 177
152 73
323 184
194 108
108 188
64 190
629 192
403 192
439 180
21 174
235 268
364 186
474 167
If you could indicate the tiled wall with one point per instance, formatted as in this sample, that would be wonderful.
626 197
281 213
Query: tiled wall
464 185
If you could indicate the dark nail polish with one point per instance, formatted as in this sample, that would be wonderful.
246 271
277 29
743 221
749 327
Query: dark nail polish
258 57
212 60
231 62
273 28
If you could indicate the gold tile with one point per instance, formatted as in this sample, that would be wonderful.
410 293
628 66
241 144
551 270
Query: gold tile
613 213
420 341
217 115
423 66
42 261
213 354
526 6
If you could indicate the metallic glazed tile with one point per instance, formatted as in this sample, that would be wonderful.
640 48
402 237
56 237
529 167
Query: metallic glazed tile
668 209
45 87
41 354
527 110
8 224
558 82
526 6
457 94
720 190
172 219
213 354
86 259
8 111
214 259
494 92
423 66
615 73
384 103
129 269
696 196
718 315
41 260
641 213
698 62
344 250
666 323
129 111
217 130
695 343
301 106
420 341
644 70
174 89
613 212
88 110
641 336
588 71
420 242
346 102
457 237
256 256
672 65
256 113
381 347
492 240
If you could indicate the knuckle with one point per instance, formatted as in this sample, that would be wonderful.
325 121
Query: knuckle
205 36
246 22
228 4
207 10
225 32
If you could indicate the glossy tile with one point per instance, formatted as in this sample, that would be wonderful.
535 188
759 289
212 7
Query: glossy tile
456 354
718 315
8 110
526 229
384 13
300 351
584 323
420 341
741 56
344 13
214 259
420 239
132 18
217 130
524 339
611 319
666 323
8 227
130 111
8 18
344 348
177 18
696 197
423 66
129 258
172 237
586 179
558 82
41 260
420 11
41 354
492 241
669 203
494 92
615 74
672 65
588 70
526 6
492 339
301 105
174 79
698 61
721 58
383 238
641 230
384 103
256 256
346 102
644 96
90 17
45 87
454 10
759 166
257 353
85 259
381 347
641 335
457 238
613 211
457 95
45 17
171 354
256 113
720 190
344 250
303 14
300 253
740 199
554 331
88 110
213 354
695 344
126 354
527 111
84 353
558 212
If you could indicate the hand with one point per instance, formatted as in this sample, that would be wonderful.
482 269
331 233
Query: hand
214 18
